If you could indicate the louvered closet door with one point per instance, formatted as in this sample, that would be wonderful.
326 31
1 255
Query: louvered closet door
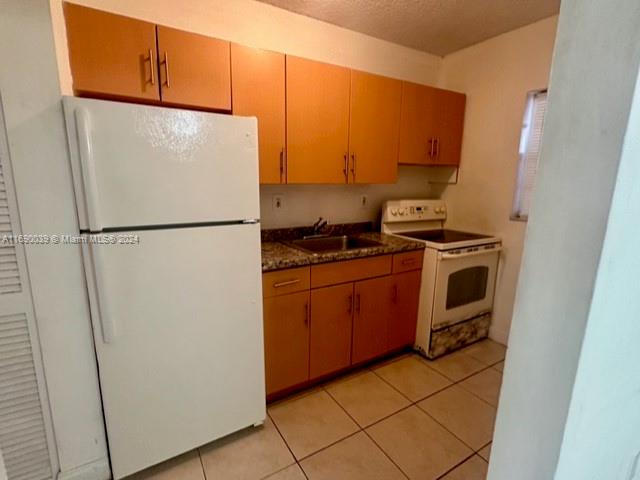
26 441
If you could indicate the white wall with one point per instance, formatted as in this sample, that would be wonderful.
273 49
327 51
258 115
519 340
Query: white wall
601 437
596 61
303 204
37 141
496 76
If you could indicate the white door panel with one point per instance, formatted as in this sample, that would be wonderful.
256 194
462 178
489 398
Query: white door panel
136 165
184 361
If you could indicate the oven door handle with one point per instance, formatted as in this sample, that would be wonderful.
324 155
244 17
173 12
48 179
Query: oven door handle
484 251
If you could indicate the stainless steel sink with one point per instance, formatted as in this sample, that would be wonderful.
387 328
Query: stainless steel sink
341 243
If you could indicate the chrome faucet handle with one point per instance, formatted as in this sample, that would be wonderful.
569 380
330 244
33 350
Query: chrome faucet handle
319 225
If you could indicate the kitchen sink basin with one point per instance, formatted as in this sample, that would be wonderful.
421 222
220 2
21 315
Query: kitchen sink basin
341 243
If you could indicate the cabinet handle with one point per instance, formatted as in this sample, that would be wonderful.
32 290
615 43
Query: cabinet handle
394 296
285 283
306 314
431 143
350 305
166 69
357 303
408 261
345 169
437 152
281 164
353 167
151 69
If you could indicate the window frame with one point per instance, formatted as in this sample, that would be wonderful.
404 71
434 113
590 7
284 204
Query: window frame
527 124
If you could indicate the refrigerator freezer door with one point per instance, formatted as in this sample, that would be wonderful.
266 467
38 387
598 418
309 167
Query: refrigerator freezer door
138 165
183 360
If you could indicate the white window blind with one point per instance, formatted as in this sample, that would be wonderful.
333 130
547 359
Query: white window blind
529 153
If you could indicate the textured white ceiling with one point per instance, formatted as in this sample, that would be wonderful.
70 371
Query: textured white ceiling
435 26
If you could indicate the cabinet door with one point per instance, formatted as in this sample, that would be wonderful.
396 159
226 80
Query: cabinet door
195 70
111 55
331 324
417 124
450 107
258 90
286 340
374 128
404 311
372 307
317 121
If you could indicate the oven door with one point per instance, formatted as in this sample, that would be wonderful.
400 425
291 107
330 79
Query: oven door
465 283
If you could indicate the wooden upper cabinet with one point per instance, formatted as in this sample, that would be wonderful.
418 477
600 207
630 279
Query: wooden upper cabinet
111 55
258 85
286 340
373 303
404 310
374 128
450 107
431 124
194 70
317 121
331 323
417 124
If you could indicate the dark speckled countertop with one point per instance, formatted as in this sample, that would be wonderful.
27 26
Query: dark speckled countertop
277 255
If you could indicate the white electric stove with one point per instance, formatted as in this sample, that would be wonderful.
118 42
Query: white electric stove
458 275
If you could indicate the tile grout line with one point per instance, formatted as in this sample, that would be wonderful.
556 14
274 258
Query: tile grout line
204 472
295 459
364 430
415 403
323 388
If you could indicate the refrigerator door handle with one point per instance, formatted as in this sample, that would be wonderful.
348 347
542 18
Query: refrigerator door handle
106 322
87 165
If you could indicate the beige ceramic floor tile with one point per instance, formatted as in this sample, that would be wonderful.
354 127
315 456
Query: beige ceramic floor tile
485 385
184 467
412 378
311 422
415 442
487 351
290 473
499 366
354 458
473 469
367 398
463 414
227 458
485 452
456 366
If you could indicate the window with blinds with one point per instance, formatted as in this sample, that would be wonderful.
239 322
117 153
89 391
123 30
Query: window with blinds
530 140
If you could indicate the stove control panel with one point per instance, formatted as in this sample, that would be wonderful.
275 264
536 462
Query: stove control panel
394 211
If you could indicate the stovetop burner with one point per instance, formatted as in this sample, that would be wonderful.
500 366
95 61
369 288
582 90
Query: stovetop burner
443 236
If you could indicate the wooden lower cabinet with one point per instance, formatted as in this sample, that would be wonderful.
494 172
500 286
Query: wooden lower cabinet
322 319
373 304
403 316
286 340
331 325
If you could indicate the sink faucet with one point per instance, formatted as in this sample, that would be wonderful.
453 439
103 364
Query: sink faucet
319 225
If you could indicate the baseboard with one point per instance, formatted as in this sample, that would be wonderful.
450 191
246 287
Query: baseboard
499 335
96 470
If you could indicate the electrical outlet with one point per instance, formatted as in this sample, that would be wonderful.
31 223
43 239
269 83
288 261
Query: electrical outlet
363 201
277 202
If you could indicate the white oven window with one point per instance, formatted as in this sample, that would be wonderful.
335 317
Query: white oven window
467 286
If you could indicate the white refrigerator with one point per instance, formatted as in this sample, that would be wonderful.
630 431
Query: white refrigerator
177 314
